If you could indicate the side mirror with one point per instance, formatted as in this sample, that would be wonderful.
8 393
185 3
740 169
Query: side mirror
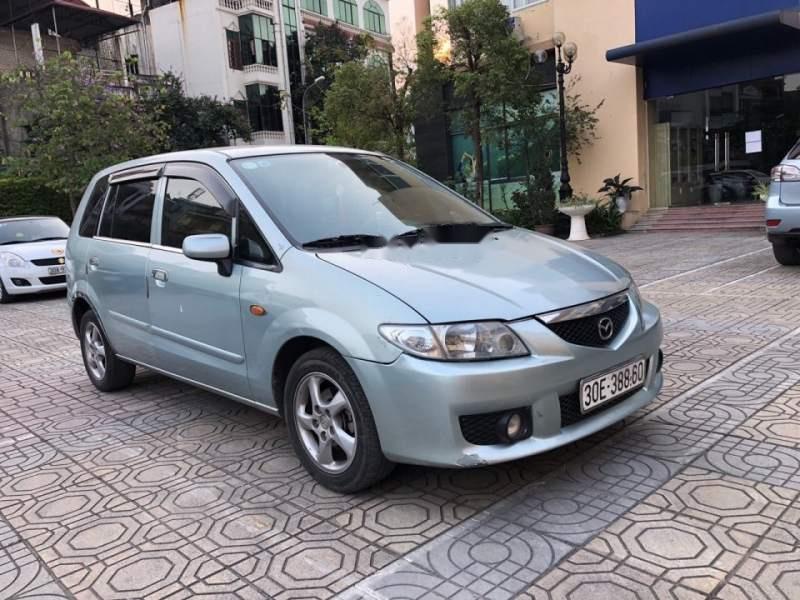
210 247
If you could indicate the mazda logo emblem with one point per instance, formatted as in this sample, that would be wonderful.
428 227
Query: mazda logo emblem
605 327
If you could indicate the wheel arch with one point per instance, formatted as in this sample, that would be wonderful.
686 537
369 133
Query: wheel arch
286 357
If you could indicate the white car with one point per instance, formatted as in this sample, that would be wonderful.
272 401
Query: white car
32 255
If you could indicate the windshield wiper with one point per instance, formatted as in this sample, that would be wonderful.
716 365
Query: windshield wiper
449 233
13 242
47 239
356 240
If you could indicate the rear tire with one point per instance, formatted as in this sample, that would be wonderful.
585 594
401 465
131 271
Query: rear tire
331 425
786 254
107 372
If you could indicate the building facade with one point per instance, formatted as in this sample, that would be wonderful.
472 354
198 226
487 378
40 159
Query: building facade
251 51
700 99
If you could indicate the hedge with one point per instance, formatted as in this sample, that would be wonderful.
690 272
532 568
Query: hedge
28 196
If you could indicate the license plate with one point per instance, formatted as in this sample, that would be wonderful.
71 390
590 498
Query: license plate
596 391
55 270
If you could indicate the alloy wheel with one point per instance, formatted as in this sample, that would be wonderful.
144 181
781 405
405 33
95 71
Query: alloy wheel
325 422
95 351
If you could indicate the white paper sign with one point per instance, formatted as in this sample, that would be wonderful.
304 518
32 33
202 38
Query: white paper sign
752 142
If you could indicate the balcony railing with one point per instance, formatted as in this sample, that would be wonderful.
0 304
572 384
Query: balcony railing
244 5
259 68
267 137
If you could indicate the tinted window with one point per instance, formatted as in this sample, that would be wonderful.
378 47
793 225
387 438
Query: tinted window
251 245
20 231
190 209
91 215
129 211
320 195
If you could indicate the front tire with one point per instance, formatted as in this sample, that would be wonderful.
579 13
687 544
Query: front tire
107 372
331 425
5 297
786 254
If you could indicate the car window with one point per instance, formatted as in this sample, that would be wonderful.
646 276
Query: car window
794 153
190 209
91 215
251 245
20 231
321 195
128 212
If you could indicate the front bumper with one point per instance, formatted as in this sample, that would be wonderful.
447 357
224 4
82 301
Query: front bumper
417 403
32 280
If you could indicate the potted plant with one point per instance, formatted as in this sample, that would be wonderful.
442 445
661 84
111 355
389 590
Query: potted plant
577 208
761 191
619 191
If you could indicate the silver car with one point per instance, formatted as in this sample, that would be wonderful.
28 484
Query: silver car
783 209
31 256
384 317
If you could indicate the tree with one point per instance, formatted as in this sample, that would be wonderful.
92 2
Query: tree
76 124
329 46
193 122
487 66
369 106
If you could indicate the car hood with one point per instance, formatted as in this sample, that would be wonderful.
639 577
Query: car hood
508 275
37 250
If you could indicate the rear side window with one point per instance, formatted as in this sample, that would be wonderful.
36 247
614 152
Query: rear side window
794 153
91 215
191 209
129 211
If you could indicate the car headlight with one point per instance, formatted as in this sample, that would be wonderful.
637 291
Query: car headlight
11 260
456 341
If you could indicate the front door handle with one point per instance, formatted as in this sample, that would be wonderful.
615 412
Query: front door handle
94 263
160 276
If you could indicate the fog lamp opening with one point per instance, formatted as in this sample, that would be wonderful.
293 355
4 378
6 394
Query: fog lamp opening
513 426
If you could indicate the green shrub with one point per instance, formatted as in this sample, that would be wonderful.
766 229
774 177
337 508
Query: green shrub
605 219
29 196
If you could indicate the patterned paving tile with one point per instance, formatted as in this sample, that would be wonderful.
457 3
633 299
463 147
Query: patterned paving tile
757 461
589 576
724 500
166 491
664 440
778 423
770 572
675 547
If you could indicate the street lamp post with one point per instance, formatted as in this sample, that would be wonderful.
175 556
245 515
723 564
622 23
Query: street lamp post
306 128
569 51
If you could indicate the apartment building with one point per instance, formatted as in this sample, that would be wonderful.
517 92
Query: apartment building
251 51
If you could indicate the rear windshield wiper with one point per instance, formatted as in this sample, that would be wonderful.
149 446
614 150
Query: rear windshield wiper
357 240
47 239
450 233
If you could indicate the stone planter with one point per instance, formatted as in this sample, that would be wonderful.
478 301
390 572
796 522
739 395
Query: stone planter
577 227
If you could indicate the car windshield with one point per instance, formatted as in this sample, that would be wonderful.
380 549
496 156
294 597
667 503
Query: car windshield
326 196
20 231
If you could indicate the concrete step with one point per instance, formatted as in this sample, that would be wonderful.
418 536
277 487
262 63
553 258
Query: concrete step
726 217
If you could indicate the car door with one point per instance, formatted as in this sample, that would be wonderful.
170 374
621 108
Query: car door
116 262
194 310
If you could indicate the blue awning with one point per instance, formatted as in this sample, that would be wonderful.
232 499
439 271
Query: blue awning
739 50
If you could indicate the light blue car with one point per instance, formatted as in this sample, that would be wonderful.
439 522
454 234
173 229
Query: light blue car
384 317
783 209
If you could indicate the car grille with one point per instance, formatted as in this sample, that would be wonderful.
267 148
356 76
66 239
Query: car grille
585 331
53 280
571 410
481 429
47 262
